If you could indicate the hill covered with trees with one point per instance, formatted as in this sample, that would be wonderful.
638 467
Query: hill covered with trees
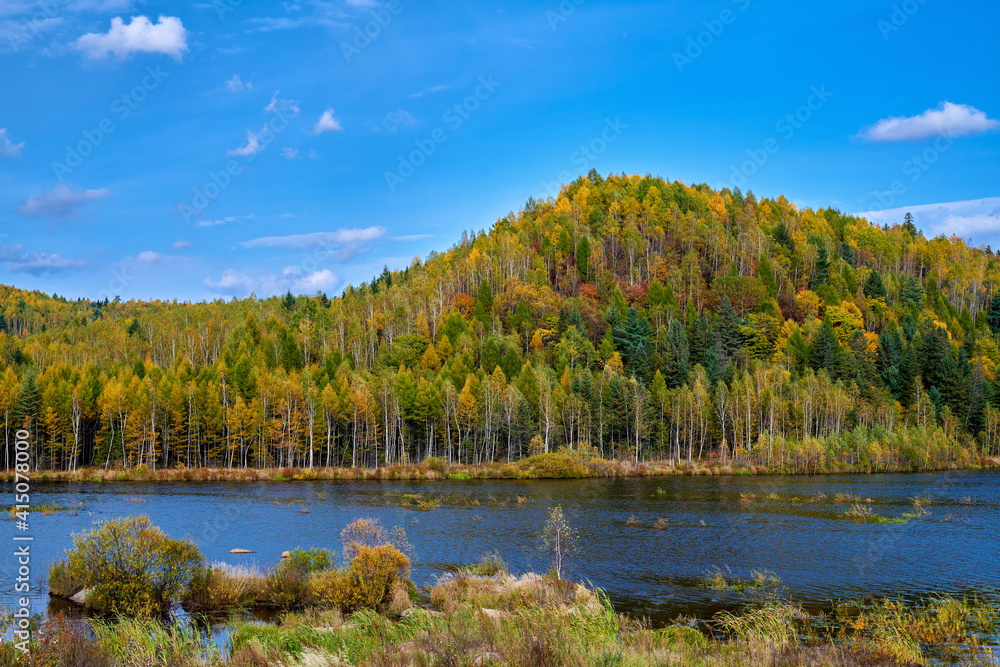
628 318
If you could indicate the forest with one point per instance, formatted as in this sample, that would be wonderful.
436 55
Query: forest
629 318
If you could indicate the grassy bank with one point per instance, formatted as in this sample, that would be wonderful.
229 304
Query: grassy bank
365 612
542 466
533 620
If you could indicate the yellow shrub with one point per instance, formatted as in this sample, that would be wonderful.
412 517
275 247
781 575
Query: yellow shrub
329 588
131 567
372 577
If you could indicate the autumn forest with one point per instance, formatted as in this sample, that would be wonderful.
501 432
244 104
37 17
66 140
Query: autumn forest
630 318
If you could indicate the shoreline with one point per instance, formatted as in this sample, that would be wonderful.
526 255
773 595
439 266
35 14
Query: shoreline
541 466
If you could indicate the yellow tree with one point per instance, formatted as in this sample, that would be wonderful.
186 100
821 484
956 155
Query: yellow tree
467 411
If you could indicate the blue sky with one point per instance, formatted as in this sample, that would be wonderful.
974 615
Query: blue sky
192 151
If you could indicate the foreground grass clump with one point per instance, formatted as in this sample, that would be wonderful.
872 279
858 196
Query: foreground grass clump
127 566
121 643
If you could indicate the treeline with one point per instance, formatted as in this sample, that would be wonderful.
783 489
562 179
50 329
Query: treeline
630 317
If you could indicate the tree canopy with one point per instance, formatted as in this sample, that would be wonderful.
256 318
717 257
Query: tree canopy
629 316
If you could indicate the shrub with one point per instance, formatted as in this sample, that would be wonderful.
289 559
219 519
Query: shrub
552 466
289 584
373 577
223 587
328 588
131 567
62 583
369 533
435 463
310 560
286 586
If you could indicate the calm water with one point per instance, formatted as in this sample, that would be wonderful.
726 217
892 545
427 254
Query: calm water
798 535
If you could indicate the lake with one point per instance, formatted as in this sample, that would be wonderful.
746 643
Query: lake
792 526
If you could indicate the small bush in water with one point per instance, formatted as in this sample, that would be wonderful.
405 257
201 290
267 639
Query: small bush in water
131 567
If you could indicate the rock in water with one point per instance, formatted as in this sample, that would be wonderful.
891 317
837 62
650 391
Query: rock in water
241 551
81 597
286 554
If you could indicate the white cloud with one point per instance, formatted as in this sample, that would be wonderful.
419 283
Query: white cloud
314 281
236 84
180 244
292 278
284 106
289 153
427 91
166 36
318 239
223 221
975 219
7 147
148 257
315 13
327 123
60 203
17 260
252 146
949 120
398 119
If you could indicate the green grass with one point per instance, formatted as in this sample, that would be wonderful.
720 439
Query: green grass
556 624
489 565
40 508
758 580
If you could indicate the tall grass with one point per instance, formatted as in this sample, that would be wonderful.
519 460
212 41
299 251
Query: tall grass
557 625
770 625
